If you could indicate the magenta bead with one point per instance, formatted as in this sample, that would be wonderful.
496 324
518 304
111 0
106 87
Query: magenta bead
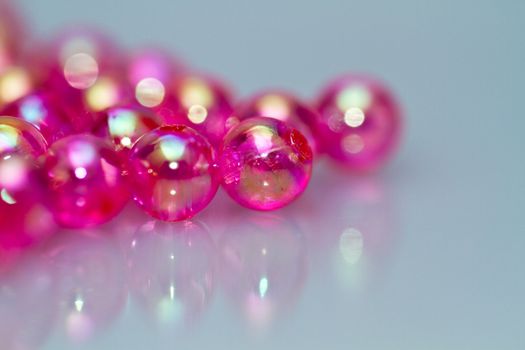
25 217
265 164
85 177
173 174
360 122
123 126
200 102
43 110
21 137
282 106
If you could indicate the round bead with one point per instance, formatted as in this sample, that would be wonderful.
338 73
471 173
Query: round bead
173 173
282 106
360 122
265 164
43 110
199 102
19 136
125 125
85 177
24 212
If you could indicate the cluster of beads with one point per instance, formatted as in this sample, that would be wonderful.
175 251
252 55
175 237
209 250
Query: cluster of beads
84 128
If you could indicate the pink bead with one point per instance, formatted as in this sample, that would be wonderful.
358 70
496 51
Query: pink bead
21 137
173 174
42 109
265 164
199 102
150 73
123 126
360 122
24 212
282 106
85 177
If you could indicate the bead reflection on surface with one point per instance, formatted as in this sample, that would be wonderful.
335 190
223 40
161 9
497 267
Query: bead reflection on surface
125 125
202 103
86 181
263 266
171 272
28 297
172 172
91 282
265 164
25 217
43 110
360 122
19 136
282 106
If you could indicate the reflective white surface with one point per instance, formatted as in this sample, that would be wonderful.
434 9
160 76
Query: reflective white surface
428 254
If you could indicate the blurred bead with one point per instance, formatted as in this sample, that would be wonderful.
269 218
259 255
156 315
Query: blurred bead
85 177
201 103
125 125
172 172
150 73
360 122
43 110
24 212
15 82
282 106
265 164
87 70
11 32
21 137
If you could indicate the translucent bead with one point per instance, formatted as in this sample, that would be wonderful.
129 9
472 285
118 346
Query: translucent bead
282 106
25 217
173 174
265 164
125 125
21 137
86 181
200 102
360 122
43 110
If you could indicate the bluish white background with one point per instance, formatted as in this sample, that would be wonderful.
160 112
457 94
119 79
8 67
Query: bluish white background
438 260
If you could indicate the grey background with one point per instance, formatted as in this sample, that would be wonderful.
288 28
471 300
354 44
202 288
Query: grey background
444 269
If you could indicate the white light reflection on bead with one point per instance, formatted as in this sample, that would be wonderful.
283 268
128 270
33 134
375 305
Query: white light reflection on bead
172 147
263 287
6 197
81 154
174 165
263 137
81 71
354 117
14 83
103 94
80 173
150 92
274 106
126 141
197 114
355 96
32 110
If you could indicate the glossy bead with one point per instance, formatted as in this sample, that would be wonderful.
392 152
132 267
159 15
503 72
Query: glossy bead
24 212
360 122
173 174
282 106
265 164
43 110
150 73
199 102
85 177
125 125
21 137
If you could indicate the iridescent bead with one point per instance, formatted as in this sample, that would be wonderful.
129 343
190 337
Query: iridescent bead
24 212
21 137
265 164
173 174
87 70
85 177
360 122
150 73
199 102
42 109
125 125
282 106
